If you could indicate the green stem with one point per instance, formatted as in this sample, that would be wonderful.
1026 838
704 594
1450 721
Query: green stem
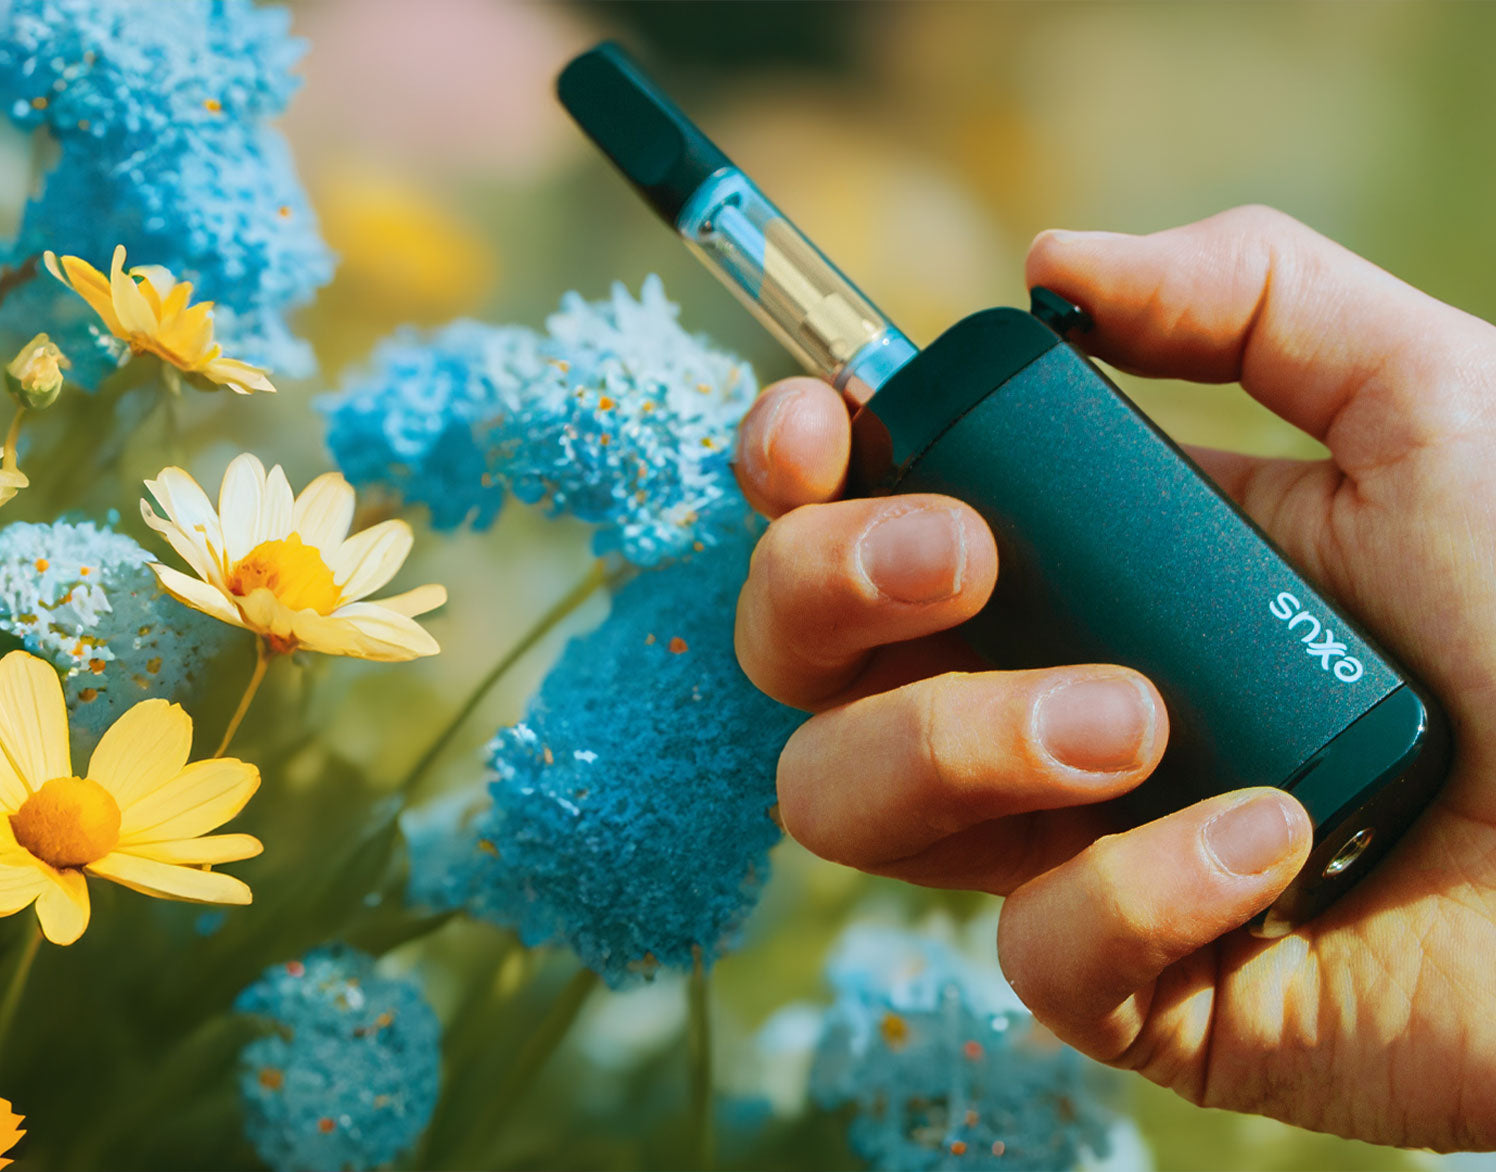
597 577
17 986
262 662
700 1046
529 1062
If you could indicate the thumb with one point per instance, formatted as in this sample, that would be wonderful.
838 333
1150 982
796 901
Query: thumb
1084 945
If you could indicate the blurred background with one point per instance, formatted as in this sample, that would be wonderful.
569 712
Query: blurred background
921 145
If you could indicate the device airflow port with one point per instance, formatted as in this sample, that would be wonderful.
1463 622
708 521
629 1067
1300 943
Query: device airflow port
1355 846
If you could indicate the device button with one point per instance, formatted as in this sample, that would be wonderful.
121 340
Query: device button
1060 315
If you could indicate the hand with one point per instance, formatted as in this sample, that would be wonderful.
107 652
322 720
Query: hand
1378 1019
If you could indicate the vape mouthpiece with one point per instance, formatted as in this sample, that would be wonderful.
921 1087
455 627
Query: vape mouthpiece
656 147
787 283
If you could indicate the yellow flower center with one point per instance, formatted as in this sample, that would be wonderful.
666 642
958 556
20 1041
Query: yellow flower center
291 570
69 822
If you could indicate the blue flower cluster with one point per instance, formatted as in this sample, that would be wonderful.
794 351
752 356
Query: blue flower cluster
630 813
81 596
615 416
160 118
940 1076
349 1076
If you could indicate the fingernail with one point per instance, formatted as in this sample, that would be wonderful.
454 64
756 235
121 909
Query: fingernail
915 557
1250 837
1100 726
756 457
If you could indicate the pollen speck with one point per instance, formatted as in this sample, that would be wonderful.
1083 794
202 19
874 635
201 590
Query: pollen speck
973 1051
42 565
271 1078
88 695
958 1147
38 103
677 645
326 1124
97 666
212 105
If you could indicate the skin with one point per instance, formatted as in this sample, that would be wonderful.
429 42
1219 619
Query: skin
1373 1021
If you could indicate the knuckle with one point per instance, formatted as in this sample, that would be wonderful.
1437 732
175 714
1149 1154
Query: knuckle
954 791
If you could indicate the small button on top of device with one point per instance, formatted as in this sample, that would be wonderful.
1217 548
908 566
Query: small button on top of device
1060 315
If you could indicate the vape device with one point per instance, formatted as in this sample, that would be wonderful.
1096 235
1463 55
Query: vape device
1113 547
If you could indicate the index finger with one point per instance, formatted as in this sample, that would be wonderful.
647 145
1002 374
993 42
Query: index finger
793 446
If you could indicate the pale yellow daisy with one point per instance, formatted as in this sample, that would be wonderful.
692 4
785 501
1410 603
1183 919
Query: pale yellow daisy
148 308
138 815
285 568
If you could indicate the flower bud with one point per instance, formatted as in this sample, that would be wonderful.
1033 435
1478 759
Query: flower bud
34 376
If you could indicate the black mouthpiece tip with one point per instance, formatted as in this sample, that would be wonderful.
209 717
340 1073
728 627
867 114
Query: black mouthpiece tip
658 149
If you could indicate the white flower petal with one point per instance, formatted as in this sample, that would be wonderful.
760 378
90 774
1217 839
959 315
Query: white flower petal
239 505
365 630
367 560
189 510
196 553
275 508
198 595
324 513
414 602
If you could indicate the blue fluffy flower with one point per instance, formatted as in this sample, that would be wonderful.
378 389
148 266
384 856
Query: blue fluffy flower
419 422
82 597
631 810
615 416
159 114
940 1075
349 1076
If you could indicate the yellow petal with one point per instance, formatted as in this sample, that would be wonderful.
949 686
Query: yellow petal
134 311
174 302
365 630
169 882
324 512
239 505
142 750
367 560
239 376
198 595
265 613
189 334
20 885
90 284
414 602
202 797
33 720
206 851
62 906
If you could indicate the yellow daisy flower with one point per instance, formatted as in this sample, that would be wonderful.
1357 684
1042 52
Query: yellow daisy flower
137 817
285 568
148 308
10 1130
